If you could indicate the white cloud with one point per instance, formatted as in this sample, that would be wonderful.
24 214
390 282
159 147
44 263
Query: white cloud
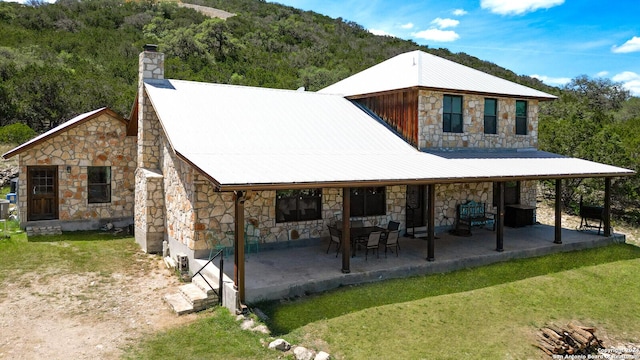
630 81
459 12
380 32
517 7
437 35
632 45
551 80
407 26
445 23
602 74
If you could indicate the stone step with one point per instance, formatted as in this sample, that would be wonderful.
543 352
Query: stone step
210 289
178 303
190 298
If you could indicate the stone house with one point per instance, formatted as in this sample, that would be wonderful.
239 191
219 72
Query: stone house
406 140
78 175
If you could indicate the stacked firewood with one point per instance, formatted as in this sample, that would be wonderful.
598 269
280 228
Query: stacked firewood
570 340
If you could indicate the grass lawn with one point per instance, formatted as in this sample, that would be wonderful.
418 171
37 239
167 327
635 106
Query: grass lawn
491 312
75 252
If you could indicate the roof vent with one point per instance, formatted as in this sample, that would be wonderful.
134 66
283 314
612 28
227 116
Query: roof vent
151 47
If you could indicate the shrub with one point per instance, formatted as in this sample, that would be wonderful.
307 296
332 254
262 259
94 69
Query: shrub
16 133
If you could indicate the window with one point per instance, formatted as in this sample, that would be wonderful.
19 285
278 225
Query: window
521 117
490 116
99 184
368 201
298 205
452 114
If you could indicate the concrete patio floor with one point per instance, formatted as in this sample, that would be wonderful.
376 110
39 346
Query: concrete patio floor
296 271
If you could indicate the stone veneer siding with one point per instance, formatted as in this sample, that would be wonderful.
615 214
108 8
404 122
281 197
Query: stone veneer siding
431 135
97 142
450 195
194 207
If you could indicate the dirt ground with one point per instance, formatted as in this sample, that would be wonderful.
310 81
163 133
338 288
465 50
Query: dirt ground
89 316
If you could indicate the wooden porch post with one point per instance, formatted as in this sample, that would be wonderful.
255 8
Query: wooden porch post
500 219
346 230
558 228
431 203
238 245
607 207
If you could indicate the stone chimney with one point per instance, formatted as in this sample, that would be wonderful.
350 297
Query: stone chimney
150 67
151 63
149 215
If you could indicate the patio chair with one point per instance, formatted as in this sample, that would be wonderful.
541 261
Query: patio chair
251 238
373 243
391 226
334 239
216 241
357 223
392 241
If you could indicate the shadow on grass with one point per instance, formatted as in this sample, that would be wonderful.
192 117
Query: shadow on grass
81 236
285 316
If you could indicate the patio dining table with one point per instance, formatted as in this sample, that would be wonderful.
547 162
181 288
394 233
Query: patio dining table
361 233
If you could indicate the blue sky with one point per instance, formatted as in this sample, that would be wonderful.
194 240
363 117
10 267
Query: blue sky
553 40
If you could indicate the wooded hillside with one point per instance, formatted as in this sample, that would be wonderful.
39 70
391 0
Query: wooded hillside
59 60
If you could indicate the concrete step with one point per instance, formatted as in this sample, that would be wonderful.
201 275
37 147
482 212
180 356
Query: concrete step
191 298
417 232
178 303
210 289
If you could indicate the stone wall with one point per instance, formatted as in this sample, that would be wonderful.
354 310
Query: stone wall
431 134
450 195
101 141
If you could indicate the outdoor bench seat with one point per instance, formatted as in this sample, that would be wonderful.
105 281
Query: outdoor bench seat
472 214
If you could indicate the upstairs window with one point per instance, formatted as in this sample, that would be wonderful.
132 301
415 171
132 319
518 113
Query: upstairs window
368 201
298 205
99 184
521 117
452 114
490 116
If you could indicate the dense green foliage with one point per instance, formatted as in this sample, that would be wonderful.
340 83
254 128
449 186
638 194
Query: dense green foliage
596 119
16 133
59 60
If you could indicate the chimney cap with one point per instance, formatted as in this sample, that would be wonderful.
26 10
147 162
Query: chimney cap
151 47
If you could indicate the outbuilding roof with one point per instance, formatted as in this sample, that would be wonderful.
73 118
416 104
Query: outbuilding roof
424 70
255 138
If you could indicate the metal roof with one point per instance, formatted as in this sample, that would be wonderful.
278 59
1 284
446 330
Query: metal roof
421 69
256 138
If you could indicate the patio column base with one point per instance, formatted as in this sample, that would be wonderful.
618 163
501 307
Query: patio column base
557 242
431 259
499 250
346 271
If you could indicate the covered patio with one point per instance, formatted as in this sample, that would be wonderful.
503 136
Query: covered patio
296 271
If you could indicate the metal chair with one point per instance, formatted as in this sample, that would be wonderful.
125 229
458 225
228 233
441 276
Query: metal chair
251 238
335 238
392 241
373 243
216 241
394 225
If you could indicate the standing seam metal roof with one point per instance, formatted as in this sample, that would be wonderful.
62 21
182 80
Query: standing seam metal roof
421 69
255 137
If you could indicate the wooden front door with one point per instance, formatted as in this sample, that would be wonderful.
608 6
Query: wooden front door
415 206
42 193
